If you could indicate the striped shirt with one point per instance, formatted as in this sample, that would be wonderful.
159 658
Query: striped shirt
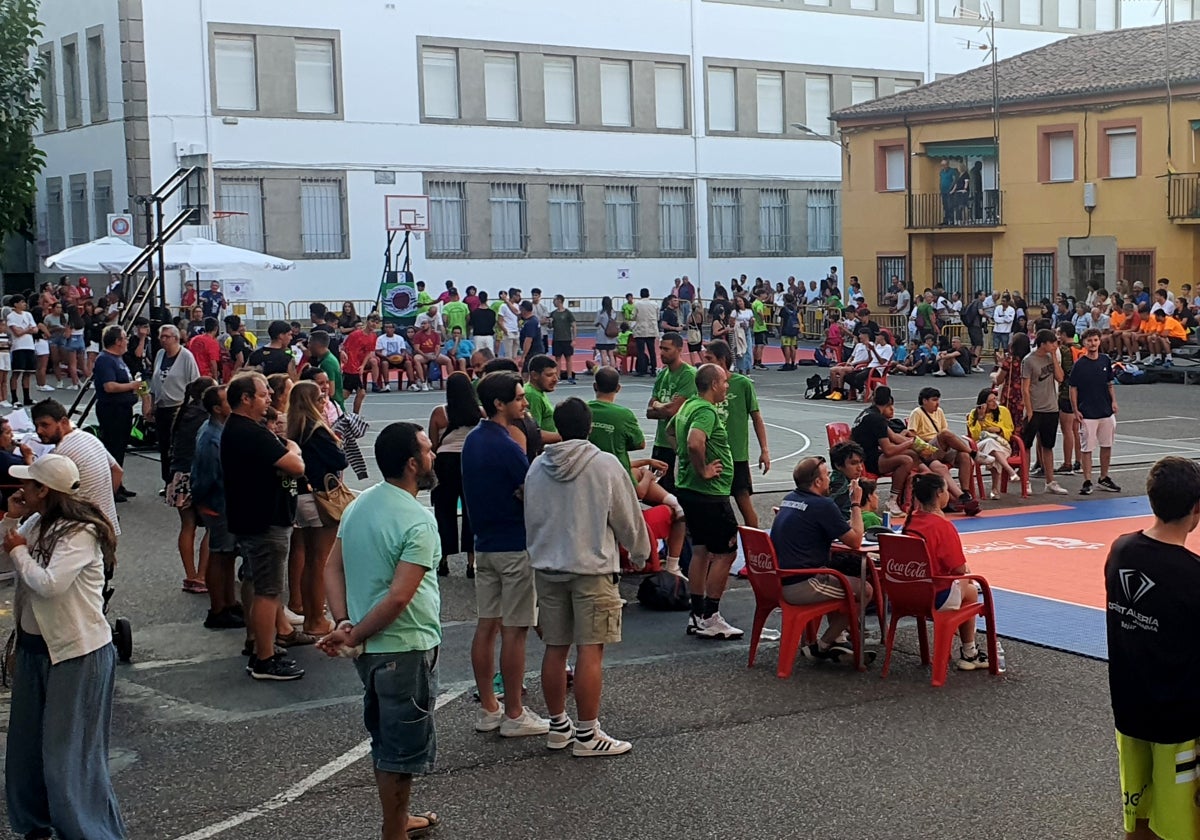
95 472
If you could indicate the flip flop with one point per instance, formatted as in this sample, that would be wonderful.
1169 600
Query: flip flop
432 821
195 587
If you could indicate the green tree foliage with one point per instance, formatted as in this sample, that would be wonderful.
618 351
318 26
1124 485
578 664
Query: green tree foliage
20 109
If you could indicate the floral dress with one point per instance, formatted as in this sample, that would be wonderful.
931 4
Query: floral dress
1010 392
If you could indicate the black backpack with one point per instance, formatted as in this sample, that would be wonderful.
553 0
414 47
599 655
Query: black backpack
664 591
816 387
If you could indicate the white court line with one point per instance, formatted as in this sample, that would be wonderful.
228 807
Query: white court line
1154 419
287 797
970 534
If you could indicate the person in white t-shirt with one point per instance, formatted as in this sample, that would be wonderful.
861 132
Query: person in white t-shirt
23 330
509 320
392 351
99 473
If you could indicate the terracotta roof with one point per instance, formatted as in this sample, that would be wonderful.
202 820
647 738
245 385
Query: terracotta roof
1103 62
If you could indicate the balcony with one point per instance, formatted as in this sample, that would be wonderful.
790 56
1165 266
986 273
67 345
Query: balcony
1183 197
933 211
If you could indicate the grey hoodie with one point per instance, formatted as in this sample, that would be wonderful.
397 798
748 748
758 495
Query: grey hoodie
579 506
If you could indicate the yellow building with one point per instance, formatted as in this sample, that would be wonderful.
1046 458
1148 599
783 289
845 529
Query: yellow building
1096 175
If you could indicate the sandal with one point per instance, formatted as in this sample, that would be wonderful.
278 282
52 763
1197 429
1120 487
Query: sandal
432 821
297 638
195 587
329 627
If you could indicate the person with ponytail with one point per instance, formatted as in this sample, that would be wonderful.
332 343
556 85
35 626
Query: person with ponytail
990 425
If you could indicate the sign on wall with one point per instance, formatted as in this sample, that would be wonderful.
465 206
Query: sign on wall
120 225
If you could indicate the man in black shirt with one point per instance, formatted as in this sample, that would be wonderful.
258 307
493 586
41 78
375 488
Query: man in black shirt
885 451
482 322
1094 402
239 345
275 357
260 472
1151 581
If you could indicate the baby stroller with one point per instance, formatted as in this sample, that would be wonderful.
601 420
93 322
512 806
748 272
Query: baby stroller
122 630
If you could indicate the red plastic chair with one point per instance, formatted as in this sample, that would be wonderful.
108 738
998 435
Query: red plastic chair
799 623
875 378
1019 460
911 588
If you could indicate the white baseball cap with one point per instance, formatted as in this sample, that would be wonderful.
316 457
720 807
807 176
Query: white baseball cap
54 471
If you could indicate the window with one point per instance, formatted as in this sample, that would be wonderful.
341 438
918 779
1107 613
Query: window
508 218
981 274
725 223
885 269
722 99
861 90
1122 153
1039 276
1068 14
1106 14
948 273
237 85
316 92
97 78
439 70
500 87
620 220
566 219
321 217
447 218
615 106
80 215
49 90
675 220
946 8
1135 266
56 222
889 168
770 103
901 85
558 77
906 7
816 104
102 201
1060 156
1180 9
1030 12
773 222
863 5
243 197
72 108
816 2
669 108
822 222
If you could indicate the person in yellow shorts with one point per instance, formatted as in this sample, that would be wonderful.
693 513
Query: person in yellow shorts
1152 582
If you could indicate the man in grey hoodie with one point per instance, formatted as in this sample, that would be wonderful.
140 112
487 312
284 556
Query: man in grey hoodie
577 574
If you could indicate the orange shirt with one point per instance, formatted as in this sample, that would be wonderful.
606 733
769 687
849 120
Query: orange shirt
1173 329
1150 326
1117 320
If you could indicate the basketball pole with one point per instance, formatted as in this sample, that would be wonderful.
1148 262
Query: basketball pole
388 263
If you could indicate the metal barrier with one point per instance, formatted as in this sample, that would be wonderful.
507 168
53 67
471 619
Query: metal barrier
812 323
297 310
257 315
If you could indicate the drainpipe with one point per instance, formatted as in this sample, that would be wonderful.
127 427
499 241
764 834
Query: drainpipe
908 153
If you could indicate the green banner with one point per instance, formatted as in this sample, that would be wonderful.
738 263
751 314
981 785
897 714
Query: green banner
399 303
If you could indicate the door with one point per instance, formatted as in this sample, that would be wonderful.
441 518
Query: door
1084 269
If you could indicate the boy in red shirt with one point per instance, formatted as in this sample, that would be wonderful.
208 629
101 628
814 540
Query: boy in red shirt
206 350
358 352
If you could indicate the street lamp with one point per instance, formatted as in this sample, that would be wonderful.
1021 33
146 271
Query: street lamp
803 129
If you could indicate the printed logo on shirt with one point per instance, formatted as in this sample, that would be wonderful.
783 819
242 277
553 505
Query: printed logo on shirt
1134 584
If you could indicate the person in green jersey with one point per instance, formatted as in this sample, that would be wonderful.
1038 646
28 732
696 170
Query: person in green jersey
624 357
627 308
543 379
740 409
455 313
319 352
760 307
673 384
704 484
615 430
423 297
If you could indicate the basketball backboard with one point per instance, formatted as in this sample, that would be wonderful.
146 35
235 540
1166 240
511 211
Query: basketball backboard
407 212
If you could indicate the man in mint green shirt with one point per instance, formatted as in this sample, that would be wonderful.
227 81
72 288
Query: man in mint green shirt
383 594
739 410
675 382
318 350
543 379
704 484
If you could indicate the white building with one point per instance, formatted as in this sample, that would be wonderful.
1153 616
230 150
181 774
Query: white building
561 142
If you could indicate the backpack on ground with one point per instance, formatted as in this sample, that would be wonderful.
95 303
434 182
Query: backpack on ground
816 388
665 592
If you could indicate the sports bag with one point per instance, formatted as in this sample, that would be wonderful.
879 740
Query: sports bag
816 388
664 591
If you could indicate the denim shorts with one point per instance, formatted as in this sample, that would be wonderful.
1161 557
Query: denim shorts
399 694
219 538
267 556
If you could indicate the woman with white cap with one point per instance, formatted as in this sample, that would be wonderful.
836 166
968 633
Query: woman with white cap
61 712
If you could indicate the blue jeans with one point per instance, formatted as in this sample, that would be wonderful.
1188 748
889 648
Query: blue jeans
685 311
57 755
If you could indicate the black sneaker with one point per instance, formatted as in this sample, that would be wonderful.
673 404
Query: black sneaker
814 651
1076 466
223 620
1108 484
1064 469
443 569
1037 471
125 490
1086 489
973 663
278 668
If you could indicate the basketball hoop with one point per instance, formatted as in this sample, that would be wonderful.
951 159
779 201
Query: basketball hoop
406 213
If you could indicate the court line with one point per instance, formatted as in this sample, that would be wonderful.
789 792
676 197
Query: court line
1055 524
1154 419
321 774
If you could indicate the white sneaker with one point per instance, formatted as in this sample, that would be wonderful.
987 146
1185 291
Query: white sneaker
46 388
489 721
893 507
939 373
293 619
600 744
74 387
1055 488
413 386
560 738
424 386
977 369
5 404
387 388
693 625
716 627
527 724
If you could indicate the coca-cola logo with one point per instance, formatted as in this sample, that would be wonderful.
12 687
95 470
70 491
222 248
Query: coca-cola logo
760 563
910 570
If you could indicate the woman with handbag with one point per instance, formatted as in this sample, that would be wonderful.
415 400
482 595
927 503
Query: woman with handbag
317 511
608 327
448 428
990 425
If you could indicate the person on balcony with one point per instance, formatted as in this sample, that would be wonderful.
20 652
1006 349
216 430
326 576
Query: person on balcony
946 178
976 180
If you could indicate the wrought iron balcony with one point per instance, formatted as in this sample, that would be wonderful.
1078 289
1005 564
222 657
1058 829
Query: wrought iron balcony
1183 195
934 210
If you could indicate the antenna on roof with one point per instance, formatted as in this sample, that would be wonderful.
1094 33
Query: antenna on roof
1167 14
988 27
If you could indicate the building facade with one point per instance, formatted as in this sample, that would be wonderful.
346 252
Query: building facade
594 152
1094 176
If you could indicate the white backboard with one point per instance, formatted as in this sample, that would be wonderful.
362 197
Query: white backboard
407 212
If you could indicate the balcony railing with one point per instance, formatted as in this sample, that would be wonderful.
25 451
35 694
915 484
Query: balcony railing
1183 196
934 210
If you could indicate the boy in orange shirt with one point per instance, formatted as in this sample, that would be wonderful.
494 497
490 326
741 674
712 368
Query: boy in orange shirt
1168 334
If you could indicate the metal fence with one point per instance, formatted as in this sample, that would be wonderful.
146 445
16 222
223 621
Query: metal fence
297 310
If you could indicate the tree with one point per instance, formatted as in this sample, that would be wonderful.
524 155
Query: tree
20 109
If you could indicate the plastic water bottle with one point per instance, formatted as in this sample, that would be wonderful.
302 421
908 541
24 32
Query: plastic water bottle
887 520
1001 665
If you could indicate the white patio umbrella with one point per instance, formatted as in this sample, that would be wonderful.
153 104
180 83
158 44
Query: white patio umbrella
101 255
201 254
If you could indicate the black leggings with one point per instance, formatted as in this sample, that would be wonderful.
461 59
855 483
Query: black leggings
445 496
115 422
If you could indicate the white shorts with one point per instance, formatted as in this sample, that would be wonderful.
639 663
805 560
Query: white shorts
484 342
1102 431
5 360
955 599
41 347
93 347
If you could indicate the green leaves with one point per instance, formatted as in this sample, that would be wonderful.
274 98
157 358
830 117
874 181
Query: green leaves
20 109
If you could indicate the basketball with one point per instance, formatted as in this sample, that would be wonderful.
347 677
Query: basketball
396 360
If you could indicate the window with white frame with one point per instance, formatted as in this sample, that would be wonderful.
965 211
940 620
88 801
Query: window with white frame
620 220
862 89
675 220
242 197
1106 14
722 99
447 218
1180 9
906 7
566 219
1030 12
615 105
236 72
669 107
1122 152
901 85
72 104
439 76
49 88
1068 14
97 78
773 221
558 80
893 168
508 218
816 104
316 90
770 102
321 217
501 98
56 221
822 222
80 217
1061 149
725 220
102 200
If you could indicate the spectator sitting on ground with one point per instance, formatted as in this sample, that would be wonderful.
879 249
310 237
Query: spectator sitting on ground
927 356
906 359
955 361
